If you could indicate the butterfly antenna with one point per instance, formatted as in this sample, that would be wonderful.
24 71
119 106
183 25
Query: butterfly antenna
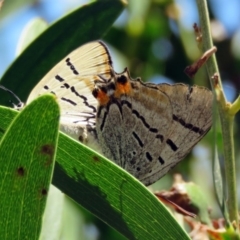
20 103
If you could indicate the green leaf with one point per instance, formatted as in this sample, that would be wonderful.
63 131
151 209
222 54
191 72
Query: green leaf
199 202
27 152
85 24
7 115
216 170
217 179
32 30
109 192
10 7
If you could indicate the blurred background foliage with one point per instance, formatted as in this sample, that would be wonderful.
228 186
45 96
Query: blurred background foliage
156 41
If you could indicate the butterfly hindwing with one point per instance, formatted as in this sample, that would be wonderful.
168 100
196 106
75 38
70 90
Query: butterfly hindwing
191 110
155 126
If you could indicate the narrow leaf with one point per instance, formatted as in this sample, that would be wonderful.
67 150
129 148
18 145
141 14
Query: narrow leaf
27 152
217 178
85 24
110 193
33 29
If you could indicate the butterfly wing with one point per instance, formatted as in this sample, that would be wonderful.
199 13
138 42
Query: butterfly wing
155 126
191 119
72 81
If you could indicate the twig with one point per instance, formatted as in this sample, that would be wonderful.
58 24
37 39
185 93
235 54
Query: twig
224 108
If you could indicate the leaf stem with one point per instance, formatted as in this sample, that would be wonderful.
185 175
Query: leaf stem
235 107
224 108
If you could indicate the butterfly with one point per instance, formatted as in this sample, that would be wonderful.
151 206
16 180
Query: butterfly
145 128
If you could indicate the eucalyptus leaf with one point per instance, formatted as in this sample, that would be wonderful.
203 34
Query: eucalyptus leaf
33 29
108 191
87 23
27 154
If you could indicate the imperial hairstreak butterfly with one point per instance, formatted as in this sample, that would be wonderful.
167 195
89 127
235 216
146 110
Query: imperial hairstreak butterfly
145 128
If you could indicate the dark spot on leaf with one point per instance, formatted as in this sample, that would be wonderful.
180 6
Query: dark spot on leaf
44 192
48 150
20 171
96 159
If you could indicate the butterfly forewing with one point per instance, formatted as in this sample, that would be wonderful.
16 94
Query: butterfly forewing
72 81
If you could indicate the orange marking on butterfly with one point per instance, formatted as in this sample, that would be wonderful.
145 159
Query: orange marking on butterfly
123 88
102 97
